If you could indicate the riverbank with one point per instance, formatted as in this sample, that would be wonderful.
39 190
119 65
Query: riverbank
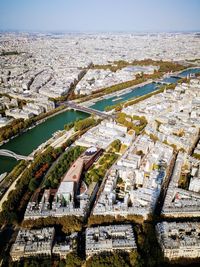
137 92
27 142
93 101
119 93
35 124
135 100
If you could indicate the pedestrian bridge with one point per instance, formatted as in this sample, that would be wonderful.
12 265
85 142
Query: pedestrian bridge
8 153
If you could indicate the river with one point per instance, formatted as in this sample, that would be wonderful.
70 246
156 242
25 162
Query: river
30 140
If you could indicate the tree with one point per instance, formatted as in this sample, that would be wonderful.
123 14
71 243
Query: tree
18 198
83 124
116 145
33 184
109 259
73 260
62 263
64 163
140 153
135 259
68 126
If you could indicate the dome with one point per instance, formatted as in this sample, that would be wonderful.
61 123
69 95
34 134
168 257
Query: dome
91 151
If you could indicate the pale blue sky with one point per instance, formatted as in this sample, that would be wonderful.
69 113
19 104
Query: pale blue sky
100 15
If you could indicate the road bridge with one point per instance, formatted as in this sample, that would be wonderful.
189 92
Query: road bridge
177 76
89 110
8 153
161 82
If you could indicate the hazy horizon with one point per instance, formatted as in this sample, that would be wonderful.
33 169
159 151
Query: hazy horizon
94 32
100 16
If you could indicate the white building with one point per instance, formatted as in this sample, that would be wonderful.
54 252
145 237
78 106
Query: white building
133 184
32 243
179 240
109 238
104 134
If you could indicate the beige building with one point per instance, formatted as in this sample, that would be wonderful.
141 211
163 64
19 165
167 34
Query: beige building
32 243
179 240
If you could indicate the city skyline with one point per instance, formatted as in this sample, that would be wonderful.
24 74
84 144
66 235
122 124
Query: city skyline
100 16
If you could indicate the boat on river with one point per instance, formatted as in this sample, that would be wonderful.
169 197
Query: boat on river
116 99
2 176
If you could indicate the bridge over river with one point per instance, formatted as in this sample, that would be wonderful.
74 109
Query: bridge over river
77 107
8 153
